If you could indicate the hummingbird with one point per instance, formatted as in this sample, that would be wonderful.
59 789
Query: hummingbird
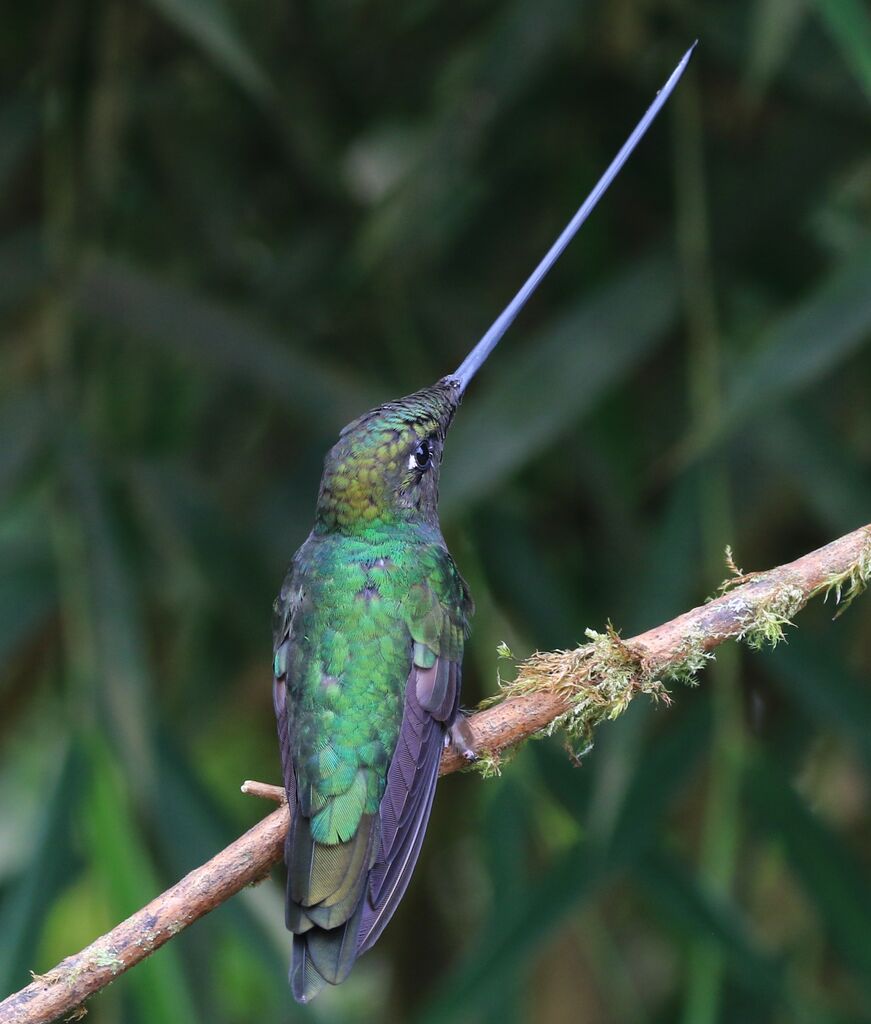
369 629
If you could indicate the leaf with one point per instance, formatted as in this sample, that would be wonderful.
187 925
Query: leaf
22 427
207 23
23 268
505 833
665 583
19 123
660 774
834 883
192 829
824 470
437 193
28 588
173 319
50 867
670 885
568 883
811 672
124 872
808 342
776 24
849 23
125 692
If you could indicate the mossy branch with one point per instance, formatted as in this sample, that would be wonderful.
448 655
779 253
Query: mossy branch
571 690
575 690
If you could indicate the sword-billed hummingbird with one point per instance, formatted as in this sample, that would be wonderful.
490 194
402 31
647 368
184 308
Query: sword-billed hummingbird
369 632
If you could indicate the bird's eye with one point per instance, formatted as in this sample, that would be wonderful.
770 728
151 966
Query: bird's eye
421 457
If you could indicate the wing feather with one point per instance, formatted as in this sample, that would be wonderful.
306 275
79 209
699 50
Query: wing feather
405 806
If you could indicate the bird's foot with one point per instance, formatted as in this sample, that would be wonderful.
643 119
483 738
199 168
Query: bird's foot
461 739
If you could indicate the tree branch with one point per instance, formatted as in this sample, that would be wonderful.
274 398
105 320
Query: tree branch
570 689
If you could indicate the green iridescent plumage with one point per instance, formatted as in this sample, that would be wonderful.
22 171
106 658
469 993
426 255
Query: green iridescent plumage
363 607
369 634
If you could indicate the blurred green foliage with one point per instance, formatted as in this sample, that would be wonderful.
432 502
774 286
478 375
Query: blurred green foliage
227 228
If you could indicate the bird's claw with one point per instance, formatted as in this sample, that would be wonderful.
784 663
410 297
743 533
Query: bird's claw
461 739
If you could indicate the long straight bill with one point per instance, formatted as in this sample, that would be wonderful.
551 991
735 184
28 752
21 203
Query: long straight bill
474 360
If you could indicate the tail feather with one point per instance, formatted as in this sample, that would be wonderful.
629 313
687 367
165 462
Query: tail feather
332 916
320 873
324 956
296 920
339 908
325 897
305 981
358 864
333 951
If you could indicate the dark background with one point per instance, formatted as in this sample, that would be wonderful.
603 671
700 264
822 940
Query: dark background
226 228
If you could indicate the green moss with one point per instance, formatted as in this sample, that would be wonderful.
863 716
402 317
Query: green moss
693 658
846 586
489 765
597 681
766 622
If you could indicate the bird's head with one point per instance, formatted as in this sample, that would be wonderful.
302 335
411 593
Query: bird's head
385 466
